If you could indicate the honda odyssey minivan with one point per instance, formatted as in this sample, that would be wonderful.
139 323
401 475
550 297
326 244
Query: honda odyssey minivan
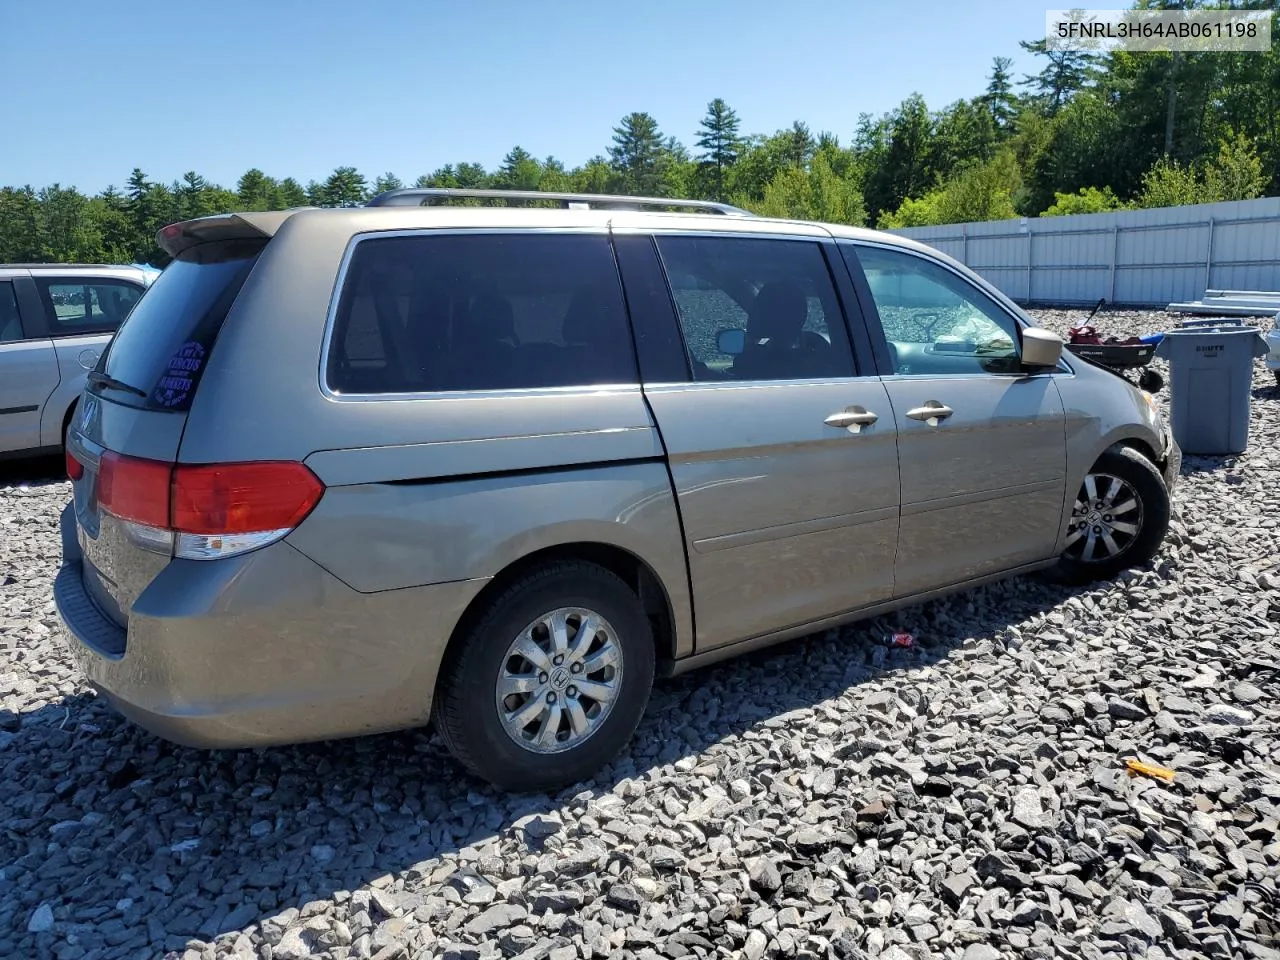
492 467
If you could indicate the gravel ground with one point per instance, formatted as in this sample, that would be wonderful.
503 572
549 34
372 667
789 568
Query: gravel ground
829 798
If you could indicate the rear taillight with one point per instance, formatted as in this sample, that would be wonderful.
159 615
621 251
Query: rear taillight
208 510
134 489
75 469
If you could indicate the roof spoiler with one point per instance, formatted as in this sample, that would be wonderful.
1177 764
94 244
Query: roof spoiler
177 237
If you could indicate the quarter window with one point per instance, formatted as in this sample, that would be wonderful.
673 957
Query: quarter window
86 306
480 311
935 322
756 309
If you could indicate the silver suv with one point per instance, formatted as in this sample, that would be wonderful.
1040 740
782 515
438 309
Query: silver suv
345 471
54 321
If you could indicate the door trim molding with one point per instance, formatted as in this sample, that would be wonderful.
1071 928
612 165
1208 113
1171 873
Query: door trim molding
981 496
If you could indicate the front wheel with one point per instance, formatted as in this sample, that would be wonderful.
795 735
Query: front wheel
1119 519
550 682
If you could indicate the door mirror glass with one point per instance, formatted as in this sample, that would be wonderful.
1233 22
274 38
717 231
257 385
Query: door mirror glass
732 341
1040 348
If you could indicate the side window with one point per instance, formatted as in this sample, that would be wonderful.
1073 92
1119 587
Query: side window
10 321
756 309
425 313
91 305
935 322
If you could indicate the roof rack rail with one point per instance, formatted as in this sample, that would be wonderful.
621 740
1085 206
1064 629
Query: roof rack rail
427 196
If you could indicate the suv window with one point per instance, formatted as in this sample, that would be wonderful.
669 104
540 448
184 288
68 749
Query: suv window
90 305
756 309
162 347
427 313
10 321
936 323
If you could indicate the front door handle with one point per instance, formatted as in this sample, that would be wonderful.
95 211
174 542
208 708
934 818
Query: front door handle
852 418
931 413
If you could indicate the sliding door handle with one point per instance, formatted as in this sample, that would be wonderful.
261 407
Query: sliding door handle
932 412
852 418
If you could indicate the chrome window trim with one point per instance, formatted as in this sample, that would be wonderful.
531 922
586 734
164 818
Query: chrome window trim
998 299
335 298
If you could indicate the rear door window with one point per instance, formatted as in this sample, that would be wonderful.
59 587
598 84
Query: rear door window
451 312
756 308
162 348
10 319
77 306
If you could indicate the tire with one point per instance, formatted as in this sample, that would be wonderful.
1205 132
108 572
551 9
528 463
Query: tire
1141 484
538 756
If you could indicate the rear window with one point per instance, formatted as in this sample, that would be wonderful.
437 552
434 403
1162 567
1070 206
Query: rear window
480 311
163 345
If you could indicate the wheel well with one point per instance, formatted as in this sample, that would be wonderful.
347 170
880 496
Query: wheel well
629 568
1137 446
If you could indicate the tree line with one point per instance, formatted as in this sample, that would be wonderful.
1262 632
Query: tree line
1085 133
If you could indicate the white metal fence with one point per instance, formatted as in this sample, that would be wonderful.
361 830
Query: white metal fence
1131 257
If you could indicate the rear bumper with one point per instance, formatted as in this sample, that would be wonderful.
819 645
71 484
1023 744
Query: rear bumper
262 649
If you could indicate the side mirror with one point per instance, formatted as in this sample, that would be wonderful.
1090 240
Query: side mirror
732 342
1041 348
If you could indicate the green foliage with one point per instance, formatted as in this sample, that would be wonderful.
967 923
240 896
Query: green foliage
982 191
1169 184
817 193
1236 172
1084 200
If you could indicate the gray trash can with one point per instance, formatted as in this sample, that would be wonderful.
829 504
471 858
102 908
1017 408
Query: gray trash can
1210 379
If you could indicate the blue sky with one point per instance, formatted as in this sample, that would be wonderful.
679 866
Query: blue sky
94 88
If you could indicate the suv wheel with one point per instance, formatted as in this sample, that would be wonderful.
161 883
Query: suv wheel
1119 520
551 681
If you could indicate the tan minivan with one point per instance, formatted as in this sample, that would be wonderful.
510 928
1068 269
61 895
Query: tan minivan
346 471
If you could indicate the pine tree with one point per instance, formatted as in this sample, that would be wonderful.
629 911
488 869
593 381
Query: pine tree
345 187
519 171
386 182
256 191
999 97
636 154
1067 72
290 194
720 144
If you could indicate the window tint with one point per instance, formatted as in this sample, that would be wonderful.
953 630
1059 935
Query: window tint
86 306
935 322
10 322
480 312
756 309
163 345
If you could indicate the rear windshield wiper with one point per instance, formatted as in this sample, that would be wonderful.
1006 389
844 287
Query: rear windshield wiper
106 380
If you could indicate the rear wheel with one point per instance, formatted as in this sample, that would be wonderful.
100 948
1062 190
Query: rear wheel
1119 518
550 682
